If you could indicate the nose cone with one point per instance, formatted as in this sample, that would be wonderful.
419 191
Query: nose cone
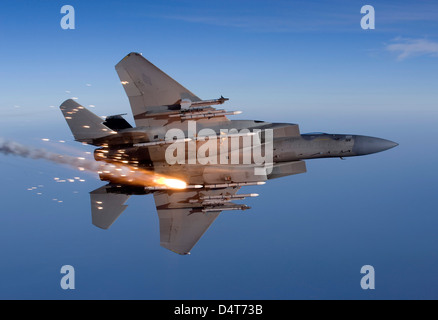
366 145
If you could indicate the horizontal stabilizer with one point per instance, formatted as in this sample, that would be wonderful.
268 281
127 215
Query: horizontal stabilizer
85 125
106 207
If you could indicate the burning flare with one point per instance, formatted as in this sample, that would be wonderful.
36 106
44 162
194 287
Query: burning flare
171 183
114 172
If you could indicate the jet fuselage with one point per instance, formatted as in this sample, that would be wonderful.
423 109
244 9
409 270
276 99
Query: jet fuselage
324 145
189 154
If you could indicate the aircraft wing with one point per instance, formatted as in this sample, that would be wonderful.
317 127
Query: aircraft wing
185 215
148 88
157 100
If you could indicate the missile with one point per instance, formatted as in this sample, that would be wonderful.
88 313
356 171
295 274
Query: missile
215 202
187 103
211 102
209 115
219 209
235 196
237 184
221 199
204 114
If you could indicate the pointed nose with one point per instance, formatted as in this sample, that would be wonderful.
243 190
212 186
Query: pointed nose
367 145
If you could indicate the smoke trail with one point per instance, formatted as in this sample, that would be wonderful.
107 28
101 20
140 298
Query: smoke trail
115 172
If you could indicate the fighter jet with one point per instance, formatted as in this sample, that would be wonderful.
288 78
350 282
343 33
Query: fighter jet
196 158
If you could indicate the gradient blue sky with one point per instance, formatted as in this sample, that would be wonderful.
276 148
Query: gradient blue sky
305 62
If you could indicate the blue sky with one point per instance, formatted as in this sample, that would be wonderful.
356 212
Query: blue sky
305 62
